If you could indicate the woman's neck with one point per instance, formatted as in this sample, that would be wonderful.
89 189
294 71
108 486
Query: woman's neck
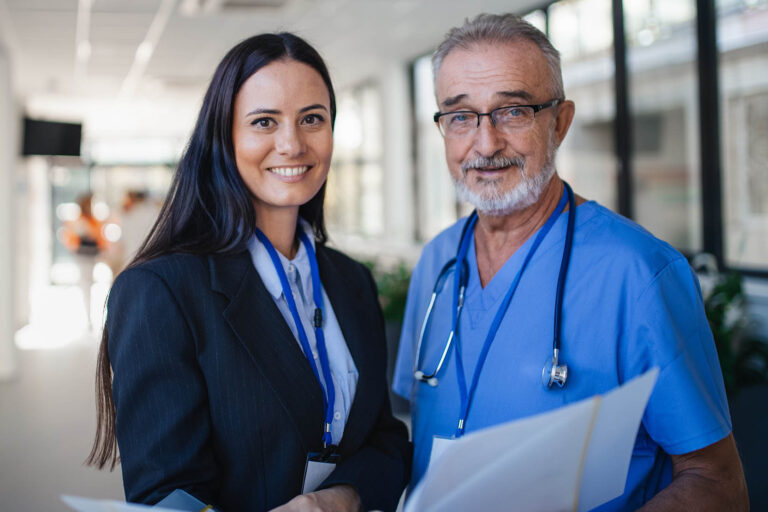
279 226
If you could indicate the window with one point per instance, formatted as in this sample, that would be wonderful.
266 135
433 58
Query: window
742 38
581 31
354 195
662 186
663 92
437 206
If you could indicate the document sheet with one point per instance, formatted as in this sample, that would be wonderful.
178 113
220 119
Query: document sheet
571 459
92 505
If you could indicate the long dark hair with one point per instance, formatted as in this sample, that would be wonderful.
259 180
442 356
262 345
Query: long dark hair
208 209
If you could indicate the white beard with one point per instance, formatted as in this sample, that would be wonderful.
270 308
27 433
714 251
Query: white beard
490 201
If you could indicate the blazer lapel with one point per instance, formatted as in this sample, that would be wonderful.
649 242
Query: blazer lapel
356 323
254 317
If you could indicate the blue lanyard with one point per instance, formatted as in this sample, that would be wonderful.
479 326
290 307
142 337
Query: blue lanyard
329 391
466 397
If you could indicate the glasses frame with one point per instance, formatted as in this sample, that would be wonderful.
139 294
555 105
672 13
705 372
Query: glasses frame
536 110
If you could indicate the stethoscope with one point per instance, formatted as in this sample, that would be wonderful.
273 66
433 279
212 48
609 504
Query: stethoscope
554 371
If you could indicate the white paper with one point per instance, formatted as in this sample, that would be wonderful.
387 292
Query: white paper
613 438
439 445
548 462
91 505
315 473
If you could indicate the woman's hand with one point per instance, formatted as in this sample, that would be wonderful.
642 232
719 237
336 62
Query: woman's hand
339 498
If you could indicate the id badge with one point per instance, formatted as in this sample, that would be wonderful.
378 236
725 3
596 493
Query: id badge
440 444
319 465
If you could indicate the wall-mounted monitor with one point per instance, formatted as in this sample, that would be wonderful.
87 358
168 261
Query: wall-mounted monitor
51 138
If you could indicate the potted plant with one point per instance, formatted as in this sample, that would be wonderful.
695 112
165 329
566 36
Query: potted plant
743 357
392 283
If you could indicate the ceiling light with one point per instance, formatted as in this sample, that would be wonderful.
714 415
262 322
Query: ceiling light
83 51
144 51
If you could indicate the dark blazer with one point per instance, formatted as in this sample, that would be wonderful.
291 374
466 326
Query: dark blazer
214 395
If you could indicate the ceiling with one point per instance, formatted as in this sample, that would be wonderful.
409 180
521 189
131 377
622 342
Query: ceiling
68 54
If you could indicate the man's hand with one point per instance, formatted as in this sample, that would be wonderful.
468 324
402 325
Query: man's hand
339 498
706 479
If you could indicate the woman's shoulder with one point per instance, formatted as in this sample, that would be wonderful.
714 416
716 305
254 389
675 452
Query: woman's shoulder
340 260
173 269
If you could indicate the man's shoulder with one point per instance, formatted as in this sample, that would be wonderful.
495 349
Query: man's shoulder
447 241
442 247
605 230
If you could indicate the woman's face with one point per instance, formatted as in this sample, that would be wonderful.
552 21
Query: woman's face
281 133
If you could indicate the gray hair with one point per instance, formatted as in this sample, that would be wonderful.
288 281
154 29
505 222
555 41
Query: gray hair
500 28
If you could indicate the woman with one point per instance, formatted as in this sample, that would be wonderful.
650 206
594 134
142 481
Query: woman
209 329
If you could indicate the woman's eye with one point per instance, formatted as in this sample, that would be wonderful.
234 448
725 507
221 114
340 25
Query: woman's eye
263 122
313 119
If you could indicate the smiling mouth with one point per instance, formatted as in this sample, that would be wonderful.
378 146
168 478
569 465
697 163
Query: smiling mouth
490 169
290 171
493 165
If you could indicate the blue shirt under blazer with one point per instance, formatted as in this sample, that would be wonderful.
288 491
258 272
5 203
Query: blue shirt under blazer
214 395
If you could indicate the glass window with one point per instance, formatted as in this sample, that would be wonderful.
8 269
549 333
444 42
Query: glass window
581 31
742 30
354 195
663 91
436 198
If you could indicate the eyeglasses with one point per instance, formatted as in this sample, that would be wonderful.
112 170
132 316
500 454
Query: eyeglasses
511 119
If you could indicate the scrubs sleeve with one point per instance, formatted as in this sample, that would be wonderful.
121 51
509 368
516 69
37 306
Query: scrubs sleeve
667 328
402 381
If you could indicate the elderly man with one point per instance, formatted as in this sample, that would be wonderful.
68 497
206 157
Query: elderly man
629 301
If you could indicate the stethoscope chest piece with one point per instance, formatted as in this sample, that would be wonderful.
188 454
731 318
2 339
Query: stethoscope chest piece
554 373
419 375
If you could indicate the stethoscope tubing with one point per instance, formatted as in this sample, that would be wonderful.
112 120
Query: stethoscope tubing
460 289
463 279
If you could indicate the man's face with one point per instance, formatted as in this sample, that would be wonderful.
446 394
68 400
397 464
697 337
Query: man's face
501 172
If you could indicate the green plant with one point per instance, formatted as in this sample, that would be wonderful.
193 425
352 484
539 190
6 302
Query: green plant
393 289
743 356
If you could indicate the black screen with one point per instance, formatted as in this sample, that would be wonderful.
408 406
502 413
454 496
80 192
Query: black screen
51 138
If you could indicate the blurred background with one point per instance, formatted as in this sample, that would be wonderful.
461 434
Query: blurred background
98 97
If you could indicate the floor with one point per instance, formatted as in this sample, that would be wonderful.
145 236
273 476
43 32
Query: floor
46 429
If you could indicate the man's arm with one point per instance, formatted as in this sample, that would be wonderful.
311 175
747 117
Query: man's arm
707 479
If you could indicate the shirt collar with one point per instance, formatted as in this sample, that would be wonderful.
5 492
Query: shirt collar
263 263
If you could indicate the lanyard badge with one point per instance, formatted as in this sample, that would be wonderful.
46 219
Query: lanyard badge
329 392
318 467
318 464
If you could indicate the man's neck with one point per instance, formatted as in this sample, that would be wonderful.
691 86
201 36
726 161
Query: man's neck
498 237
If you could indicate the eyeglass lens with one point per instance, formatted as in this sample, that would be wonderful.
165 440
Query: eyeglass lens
507 119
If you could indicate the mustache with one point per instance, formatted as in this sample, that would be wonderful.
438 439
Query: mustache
498 161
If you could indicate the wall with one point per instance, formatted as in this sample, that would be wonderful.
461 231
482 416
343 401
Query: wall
8 138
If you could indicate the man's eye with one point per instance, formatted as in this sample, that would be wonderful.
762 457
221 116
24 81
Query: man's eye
459 118
515 112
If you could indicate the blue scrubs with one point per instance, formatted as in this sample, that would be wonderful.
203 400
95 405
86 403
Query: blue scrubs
631 302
